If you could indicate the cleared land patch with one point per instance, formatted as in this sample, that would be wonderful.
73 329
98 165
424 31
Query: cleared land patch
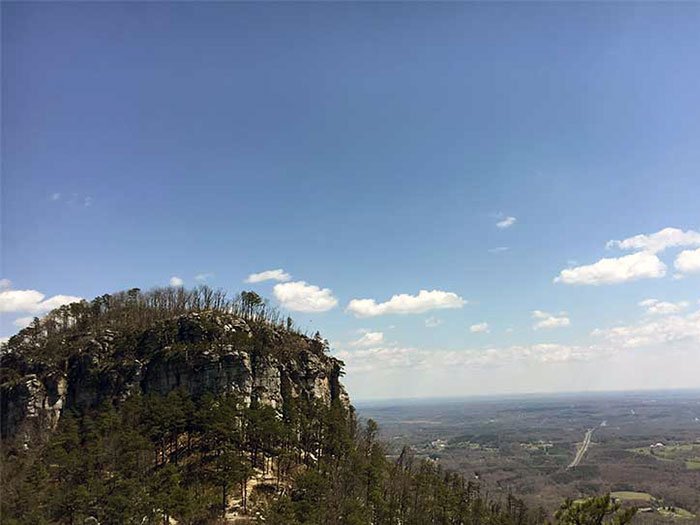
675 512
686 453
639 498
628 495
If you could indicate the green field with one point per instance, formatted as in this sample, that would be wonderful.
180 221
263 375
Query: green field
693 464
628 495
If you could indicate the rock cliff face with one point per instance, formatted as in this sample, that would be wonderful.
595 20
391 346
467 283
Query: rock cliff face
201 353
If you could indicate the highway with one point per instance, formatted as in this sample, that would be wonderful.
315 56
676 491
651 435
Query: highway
582 449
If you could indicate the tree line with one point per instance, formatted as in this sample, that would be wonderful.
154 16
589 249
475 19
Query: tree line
135 309
154 458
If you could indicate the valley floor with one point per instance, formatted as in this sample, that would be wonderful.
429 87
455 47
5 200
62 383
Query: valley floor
633 444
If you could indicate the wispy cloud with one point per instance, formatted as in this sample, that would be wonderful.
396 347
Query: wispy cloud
546 320
176 281
506 222
656 307
73 199
369 339
269 275
499 249
203 277
480 328
432 322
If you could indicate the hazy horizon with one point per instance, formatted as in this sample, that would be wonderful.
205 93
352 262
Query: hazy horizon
359 402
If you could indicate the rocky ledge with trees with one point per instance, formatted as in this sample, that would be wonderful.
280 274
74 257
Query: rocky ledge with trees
176 406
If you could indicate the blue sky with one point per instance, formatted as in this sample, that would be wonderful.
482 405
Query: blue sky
371 150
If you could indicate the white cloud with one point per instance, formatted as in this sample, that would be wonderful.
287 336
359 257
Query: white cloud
176 281
499 249
480 328
57 301
688 261
406 304
640 265
203 277
55 196
383 358
299 296
32 301
547 320
5 284
667 330
656 307
23 322
87 201
269 275
369 339
20 300
506 222
432 322
659 241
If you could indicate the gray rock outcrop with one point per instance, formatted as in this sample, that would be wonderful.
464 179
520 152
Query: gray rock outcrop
199 353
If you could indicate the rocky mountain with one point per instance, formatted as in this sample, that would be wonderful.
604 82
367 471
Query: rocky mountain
201 352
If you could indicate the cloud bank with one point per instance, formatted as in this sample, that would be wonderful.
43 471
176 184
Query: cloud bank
665 331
